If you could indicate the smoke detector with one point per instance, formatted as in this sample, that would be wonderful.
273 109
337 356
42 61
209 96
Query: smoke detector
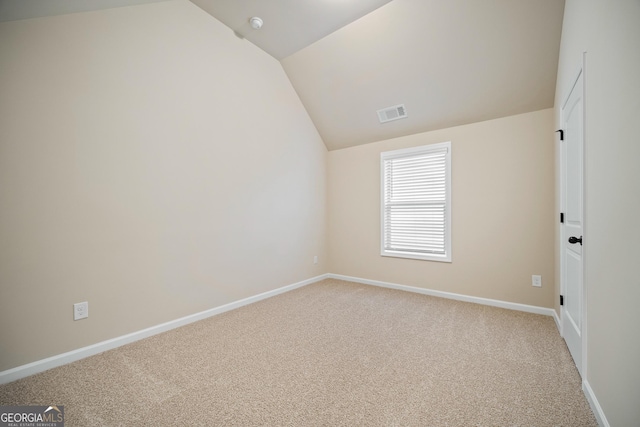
392 113
256 23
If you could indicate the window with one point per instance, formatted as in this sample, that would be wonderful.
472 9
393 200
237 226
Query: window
416 202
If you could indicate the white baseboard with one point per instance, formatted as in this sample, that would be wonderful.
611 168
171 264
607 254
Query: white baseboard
71 356
595 405
558 322
81 353
459 297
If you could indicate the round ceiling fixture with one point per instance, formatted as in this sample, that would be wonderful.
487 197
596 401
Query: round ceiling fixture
256 23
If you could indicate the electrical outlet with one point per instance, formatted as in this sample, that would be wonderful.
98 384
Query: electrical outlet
536 281
80 310
315 259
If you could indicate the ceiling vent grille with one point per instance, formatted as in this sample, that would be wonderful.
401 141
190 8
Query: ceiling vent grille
392 113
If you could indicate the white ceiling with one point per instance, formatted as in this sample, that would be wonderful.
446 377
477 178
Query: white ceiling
13 10
451 62
289 25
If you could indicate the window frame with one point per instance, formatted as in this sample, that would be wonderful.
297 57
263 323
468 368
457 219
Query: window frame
411 152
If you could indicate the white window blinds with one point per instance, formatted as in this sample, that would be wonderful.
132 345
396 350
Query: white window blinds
416 202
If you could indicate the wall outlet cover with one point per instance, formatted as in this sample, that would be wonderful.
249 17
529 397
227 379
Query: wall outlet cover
80 310
536 281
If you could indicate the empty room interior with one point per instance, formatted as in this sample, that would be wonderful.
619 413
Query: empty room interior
320 212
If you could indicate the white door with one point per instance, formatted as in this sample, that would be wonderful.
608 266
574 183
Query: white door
572 311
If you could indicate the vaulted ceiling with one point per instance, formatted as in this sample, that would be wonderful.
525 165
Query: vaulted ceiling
450 62
289 25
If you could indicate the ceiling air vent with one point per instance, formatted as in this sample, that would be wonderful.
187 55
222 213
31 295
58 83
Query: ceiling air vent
392 113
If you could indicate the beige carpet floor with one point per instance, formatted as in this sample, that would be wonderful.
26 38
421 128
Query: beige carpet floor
331 353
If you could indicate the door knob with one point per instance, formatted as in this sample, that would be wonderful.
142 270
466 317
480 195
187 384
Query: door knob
573 240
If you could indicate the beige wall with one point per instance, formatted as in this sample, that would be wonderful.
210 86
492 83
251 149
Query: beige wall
152 164
503 211
610 34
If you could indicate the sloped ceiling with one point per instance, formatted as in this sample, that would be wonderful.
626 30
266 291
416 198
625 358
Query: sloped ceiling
13 10
289 25
450 62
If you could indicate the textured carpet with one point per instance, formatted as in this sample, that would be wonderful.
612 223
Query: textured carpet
331 353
